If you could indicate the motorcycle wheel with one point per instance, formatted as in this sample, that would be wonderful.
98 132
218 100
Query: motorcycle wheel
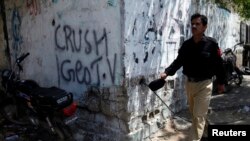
63 131
12 113
238 80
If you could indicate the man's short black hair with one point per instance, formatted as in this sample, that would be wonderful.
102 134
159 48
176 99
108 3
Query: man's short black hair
203 18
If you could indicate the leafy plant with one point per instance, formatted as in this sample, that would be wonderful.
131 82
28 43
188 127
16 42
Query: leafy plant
242 7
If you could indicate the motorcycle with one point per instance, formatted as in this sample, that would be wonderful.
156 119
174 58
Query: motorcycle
24 102
234 76
245 70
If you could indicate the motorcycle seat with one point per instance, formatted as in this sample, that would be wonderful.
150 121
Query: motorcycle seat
52 97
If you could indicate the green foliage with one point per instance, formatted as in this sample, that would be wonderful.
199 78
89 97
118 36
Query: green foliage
242 7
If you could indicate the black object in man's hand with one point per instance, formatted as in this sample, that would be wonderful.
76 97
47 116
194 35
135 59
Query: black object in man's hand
156 84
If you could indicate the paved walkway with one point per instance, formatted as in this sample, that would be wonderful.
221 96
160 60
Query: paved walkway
232 107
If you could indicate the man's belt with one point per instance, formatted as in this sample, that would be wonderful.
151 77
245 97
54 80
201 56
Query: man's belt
196 79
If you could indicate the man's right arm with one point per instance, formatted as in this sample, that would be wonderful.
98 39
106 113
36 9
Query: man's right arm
175 65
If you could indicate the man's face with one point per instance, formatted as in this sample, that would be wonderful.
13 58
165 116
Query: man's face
197 27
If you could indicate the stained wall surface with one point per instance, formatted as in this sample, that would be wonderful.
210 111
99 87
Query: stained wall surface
72 44
101 49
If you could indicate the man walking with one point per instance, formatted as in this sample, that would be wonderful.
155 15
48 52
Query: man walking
201 59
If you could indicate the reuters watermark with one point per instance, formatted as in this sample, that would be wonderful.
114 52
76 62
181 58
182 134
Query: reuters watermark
219 132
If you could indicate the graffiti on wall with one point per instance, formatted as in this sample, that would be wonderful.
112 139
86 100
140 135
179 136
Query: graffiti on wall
112 3
175 38
16 27
54 1
94 51
164 31
219 26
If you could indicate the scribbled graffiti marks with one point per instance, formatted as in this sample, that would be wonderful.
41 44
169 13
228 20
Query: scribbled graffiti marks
54 1
112 2
70 40
93 56
16 25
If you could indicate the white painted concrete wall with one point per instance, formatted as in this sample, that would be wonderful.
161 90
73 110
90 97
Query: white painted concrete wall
73 43
154 31
110 45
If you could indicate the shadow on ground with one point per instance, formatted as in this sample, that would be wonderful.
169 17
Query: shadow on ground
230 108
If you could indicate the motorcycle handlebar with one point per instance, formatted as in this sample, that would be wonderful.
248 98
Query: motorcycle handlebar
20 59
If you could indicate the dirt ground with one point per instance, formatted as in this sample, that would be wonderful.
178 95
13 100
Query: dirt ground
229 108
232 107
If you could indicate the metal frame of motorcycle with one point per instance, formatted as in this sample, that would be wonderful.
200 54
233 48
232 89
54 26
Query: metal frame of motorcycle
234 74
16 76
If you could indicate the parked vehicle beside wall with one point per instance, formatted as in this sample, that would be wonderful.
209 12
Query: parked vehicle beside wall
234 75
24 102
